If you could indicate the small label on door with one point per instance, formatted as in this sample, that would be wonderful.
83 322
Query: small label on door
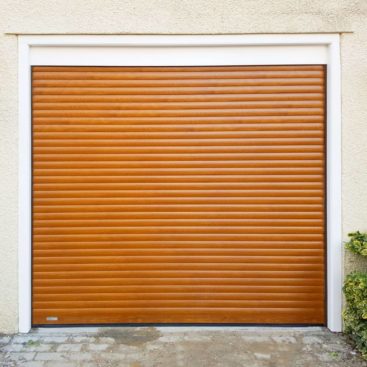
52 318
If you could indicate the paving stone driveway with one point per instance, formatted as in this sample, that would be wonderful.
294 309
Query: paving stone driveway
178 347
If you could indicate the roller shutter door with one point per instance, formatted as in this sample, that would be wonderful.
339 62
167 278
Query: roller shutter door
178 195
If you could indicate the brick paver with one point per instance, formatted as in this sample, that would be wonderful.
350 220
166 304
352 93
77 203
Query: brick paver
179 346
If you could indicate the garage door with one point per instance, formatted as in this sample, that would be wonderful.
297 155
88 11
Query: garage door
179 195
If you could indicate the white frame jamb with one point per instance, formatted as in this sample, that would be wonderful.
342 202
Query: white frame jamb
184 51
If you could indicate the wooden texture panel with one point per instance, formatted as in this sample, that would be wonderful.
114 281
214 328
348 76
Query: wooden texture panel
179 194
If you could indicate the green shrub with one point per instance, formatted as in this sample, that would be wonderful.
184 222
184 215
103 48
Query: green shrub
355 315
357 243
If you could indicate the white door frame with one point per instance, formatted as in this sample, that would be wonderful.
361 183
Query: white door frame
184 50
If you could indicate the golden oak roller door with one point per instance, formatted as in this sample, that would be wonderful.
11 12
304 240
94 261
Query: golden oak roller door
178 194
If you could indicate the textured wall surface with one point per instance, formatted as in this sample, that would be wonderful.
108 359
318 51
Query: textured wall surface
180 17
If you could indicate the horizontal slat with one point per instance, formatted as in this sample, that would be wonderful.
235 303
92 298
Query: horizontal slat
177 142
139 69
177 157
209 74
179 82
175 215
140 228
177 150
175 128
110 251
174 274
177 90
291 163
215 105
106 114
179 236
283 209
234 266
252 280
177 200
224 172
142 289
178 98
271 191
148 296
290 315
207 186
175 222
174 259
231 179
174 303
178 135
188 123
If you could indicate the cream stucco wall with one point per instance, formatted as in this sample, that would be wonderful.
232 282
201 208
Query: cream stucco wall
348 17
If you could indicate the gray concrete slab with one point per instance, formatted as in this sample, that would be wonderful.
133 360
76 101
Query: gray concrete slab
178 346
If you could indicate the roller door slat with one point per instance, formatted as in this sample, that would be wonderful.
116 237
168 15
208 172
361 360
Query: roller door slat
179 194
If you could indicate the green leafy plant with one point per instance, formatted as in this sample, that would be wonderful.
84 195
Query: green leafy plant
355 290
355 315
357 243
